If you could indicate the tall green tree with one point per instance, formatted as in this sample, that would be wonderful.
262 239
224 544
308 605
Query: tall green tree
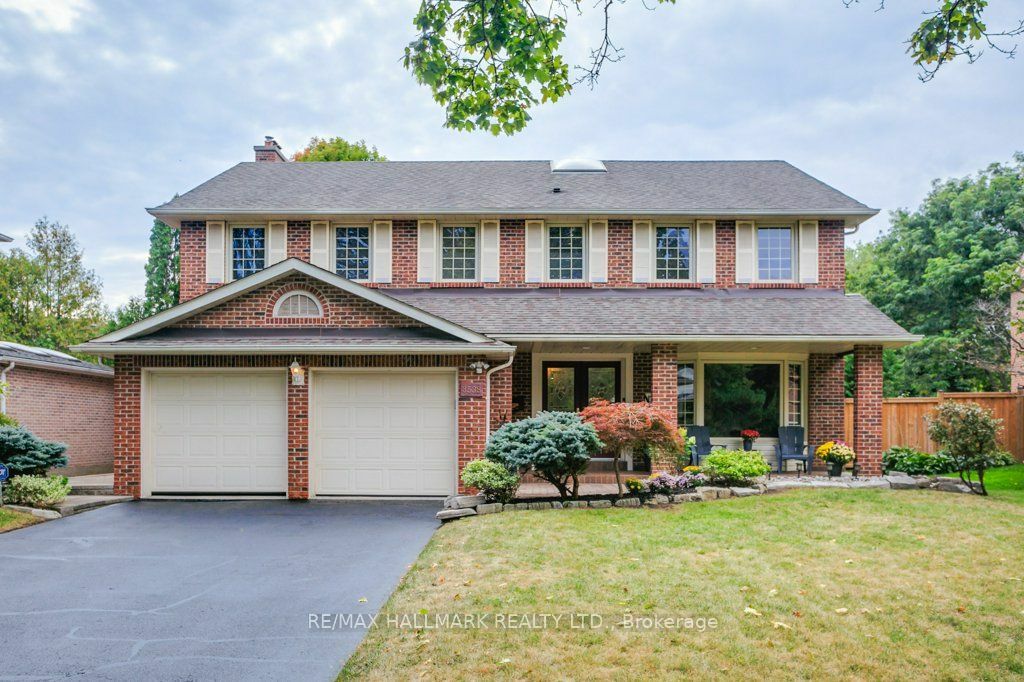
488 62
162 268
337 149
50 298
934 272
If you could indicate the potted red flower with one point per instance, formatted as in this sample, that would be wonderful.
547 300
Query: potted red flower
749 436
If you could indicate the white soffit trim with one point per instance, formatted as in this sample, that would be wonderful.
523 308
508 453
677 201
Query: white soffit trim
267 275
723 213
679 338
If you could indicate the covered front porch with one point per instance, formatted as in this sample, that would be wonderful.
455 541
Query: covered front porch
726 385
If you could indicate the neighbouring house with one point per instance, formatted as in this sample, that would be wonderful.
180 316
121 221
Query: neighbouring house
59 397
1017 339
5 238
360 328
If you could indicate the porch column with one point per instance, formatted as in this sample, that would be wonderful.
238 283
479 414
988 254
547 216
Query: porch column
867 408
298 438
664 391
826 398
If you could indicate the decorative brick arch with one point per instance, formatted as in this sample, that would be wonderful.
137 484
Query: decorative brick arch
305 288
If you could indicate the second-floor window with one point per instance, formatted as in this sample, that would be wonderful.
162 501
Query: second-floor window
248 250
352 252
458 252
672 253
565 252
775 249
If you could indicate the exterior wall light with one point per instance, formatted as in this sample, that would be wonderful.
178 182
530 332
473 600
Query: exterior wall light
298 374
479 366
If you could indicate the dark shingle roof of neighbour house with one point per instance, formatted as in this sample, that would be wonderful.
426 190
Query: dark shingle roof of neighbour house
518 187
638 313
44 358
5 238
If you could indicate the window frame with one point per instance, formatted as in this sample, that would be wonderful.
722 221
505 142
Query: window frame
293 294
229 251
691 228
794 256
369 248
584 246
440 252
782 360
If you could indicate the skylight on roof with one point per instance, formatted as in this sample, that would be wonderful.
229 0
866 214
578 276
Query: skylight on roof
578 166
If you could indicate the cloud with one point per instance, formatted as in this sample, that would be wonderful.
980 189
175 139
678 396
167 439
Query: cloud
59 16
317 37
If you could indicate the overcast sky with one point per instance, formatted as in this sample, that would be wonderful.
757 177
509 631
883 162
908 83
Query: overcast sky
112 106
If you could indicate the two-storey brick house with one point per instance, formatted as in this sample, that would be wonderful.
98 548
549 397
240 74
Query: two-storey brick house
359 328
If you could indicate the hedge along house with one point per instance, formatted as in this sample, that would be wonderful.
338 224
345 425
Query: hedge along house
359 328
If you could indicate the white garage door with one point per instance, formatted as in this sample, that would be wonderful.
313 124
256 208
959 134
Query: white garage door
384 433
217 432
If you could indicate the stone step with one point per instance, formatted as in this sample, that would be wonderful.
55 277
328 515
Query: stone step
74 504
105 490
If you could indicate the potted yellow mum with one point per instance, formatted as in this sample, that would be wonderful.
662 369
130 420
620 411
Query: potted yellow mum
837 455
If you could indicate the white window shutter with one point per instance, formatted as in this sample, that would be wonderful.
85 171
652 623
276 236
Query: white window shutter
598 251
642 235
534 250
745 235
490 254
277 241
705 238
381 245
427 251
808 251
216 257
320 244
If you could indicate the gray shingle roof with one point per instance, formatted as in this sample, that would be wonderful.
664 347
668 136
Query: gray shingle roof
5 238
518 187
16 352
652 312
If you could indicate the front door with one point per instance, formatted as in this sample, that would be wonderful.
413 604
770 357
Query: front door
570 386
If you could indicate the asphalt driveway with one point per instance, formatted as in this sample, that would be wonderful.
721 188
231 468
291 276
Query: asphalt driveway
182 590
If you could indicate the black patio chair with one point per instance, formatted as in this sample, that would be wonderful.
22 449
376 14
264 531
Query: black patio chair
791 447
702 446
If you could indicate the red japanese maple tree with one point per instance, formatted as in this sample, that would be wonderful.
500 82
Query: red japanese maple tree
631 425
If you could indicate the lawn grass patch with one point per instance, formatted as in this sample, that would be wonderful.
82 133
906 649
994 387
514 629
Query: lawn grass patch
862 584
10 519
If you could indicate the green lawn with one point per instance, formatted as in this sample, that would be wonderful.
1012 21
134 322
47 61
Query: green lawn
807 584
9 520
1006 483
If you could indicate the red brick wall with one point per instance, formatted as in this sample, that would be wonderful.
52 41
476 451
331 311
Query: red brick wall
522 385
664 389
256 308
641 376
867 408
75 409
501 397
831 256
825 398
128 425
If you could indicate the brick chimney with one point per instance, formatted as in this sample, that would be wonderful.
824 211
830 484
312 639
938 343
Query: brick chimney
270 150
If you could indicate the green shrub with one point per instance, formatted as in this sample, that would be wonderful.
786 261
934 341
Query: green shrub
24 454
915 462
967 433
1002 459
8 420
734 467
557 446
497 483
36 491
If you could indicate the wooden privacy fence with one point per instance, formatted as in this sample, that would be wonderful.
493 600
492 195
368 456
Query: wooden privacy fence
903 419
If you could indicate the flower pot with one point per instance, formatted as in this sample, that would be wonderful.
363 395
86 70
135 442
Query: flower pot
748 444
836 468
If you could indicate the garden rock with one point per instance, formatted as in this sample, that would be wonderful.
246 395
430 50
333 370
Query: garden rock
690 497
451 514
661 499
491 508
901 482
950 485
46 514
536 506
464 501
627 502
575 504
600 504
869 483
744 492
556 505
